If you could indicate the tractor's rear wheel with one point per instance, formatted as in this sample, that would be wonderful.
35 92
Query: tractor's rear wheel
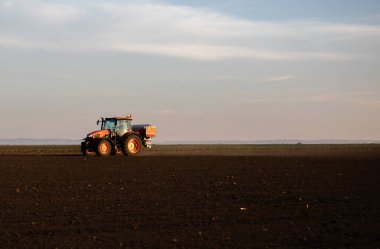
104 148
132 145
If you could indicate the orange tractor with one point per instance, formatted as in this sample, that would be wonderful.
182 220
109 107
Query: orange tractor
117 135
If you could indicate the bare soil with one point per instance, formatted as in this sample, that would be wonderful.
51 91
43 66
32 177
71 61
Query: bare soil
170 197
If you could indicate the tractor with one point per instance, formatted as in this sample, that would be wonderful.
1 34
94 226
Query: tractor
118 136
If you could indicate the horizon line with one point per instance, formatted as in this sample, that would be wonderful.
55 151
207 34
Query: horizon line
59 141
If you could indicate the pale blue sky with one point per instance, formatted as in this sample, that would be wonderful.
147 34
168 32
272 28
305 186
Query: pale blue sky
199 70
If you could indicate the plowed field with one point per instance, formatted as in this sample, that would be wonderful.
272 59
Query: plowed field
191 197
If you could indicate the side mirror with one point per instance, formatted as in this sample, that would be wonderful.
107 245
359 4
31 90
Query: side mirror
97 122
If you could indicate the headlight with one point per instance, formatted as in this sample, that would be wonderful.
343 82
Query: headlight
89 135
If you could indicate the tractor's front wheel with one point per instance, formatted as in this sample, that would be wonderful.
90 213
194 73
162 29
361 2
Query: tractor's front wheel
104 148
132 145
86 151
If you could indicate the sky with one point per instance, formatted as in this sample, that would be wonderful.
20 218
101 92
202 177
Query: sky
198 70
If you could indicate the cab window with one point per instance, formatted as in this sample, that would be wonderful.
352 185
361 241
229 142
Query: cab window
109 124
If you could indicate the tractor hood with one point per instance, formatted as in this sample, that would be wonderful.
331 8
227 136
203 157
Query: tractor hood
98 134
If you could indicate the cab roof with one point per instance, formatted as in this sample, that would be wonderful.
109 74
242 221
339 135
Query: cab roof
129 117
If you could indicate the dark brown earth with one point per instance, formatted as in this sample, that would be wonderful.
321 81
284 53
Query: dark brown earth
273 197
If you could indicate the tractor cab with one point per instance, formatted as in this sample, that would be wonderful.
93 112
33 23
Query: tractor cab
119 125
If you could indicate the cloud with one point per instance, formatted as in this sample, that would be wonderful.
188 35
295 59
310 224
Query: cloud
276 78
40 12
6 4
6 41
53 13
176 31
321 96
329 96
